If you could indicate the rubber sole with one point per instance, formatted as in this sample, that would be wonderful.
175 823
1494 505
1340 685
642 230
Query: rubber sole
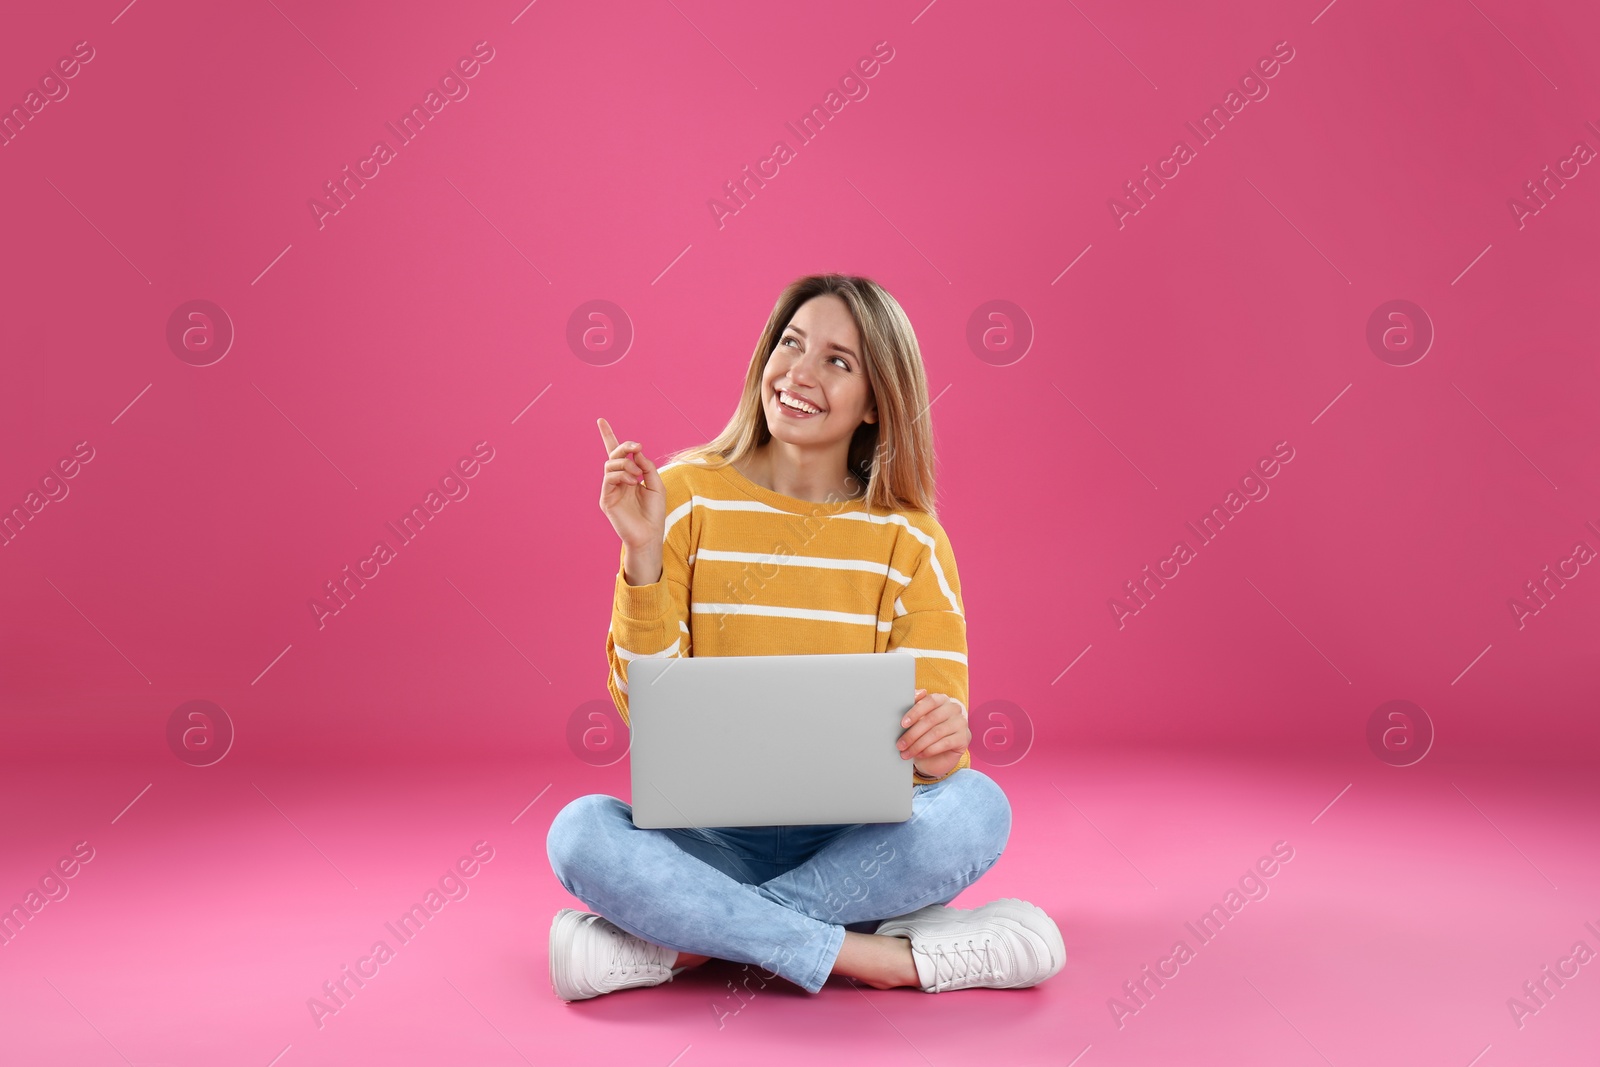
1045 927
563 935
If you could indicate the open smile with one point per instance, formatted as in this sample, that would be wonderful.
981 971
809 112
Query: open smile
798 408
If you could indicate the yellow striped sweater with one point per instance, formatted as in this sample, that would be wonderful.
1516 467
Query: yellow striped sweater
747 571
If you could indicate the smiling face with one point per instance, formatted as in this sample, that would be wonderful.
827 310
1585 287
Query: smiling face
817 364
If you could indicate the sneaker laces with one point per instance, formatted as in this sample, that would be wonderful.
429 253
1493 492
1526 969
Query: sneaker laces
630 956
962 958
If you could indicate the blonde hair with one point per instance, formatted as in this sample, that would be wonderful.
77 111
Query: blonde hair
892 456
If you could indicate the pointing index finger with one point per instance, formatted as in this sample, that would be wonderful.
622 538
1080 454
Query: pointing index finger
607 436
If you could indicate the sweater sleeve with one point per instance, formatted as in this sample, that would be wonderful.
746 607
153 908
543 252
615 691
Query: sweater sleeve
930 623
652 621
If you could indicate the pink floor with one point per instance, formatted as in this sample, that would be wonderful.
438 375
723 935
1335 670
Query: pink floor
1416 904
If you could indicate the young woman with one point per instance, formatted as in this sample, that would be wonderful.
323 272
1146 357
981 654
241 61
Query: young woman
806 526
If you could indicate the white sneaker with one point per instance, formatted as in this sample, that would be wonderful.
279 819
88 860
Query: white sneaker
1006 944
590 955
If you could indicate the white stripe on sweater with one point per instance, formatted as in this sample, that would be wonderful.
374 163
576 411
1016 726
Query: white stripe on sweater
824 562
813 614
628 656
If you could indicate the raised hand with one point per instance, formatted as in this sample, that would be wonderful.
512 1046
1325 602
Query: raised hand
632 495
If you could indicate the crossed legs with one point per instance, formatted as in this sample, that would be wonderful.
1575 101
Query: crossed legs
704 897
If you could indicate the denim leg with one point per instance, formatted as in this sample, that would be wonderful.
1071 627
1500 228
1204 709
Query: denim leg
648 884
957 830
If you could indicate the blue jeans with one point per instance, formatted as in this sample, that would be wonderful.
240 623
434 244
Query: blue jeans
780 897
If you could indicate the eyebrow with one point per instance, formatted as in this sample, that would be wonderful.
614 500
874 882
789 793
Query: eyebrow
835 345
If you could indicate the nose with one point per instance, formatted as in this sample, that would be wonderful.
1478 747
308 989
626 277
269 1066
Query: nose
801 372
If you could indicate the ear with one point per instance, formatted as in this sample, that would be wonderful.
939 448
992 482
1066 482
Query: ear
872 413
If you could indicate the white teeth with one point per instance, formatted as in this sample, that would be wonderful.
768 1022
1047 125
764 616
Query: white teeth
792 402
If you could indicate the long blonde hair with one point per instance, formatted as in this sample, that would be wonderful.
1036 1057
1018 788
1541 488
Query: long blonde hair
893 456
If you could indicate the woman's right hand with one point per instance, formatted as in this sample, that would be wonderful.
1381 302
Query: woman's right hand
637 509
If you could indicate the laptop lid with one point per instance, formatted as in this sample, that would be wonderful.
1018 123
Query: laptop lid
769 740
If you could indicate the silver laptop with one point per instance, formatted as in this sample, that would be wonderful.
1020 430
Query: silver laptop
769 740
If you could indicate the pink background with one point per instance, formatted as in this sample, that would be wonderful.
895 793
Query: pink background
407 329
1168 355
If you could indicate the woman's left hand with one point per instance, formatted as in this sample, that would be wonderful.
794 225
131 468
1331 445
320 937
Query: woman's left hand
936 734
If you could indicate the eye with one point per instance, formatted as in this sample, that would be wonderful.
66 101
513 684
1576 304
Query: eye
791 337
